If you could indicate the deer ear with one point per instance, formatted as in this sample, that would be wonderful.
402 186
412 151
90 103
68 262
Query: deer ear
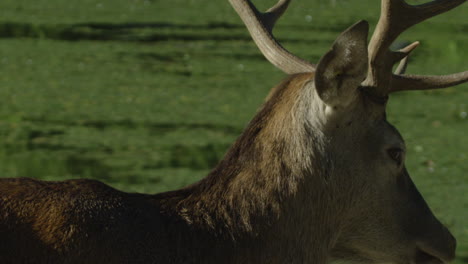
342 69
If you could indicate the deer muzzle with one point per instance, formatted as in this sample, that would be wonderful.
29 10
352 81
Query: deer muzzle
437 248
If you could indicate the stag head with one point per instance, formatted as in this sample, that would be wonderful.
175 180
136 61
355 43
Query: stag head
379 214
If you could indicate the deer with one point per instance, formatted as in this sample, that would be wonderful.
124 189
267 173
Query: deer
317 176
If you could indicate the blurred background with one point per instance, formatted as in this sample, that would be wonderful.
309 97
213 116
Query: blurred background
147 95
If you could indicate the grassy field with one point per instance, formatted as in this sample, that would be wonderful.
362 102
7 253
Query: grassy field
148 95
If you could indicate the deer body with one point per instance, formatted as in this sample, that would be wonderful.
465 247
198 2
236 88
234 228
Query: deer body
318 175
238 214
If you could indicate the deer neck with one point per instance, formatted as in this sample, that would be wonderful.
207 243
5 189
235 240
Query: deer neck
269 176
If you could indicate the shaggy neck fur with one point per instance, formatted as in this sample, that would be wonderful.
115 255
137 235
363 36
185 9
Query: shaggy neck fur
263 185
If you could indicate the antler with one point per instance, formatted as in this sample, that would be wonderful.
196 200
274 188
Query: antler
260 26
397 16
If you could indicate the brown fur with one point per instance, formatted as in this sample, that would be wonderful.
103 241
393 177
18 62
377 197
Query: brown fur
238 214
310 180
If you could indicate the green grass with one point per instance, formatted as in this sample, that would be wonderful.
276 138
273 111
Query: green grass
147 95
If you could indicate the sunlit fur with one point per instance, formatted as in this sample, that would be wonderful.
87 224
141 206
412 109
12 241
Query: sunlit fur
287 191
254 207
310 180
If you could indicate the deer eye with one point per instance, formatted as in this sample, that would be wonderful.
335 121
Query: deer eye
396 154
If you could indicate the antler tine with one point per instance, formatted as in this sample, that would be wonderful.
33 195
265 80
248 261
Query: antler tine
260 26
426 82
274 13
401 69
396 16
419 13
405 52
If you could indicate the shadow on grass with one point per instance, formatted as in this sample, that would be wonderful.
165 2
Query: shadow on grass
156 127
140 32
35 142
87 167
43 161
108 31
178 56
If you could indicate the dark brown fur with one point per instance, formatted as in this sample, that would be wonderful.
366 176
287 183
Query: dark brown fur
249 209
318 175
304 183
